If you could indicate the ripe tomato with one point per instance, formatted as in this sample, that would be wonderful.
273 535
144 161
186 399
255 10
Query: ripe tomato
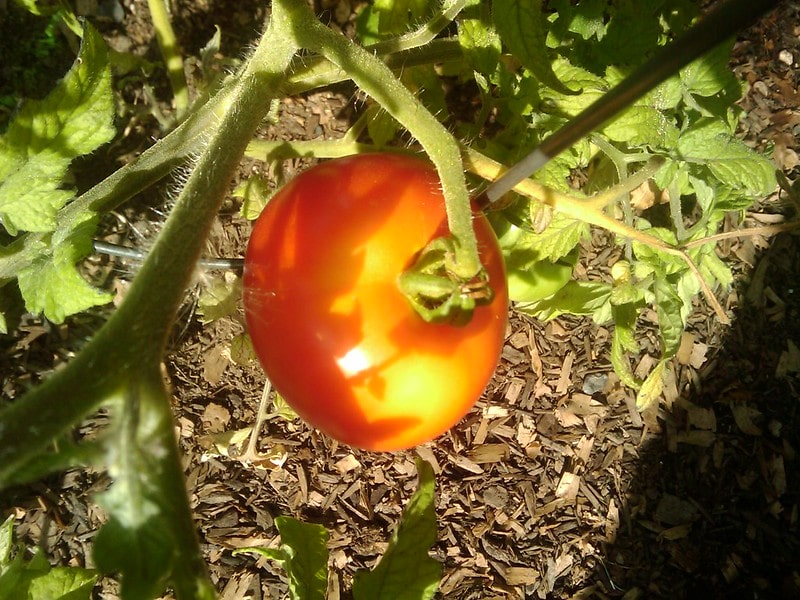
335 335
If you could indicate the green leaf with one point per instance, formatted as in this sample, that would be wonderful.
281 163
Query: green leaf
52 285
709 143
521 25
148 537
577 298
394 15
40 7
303 554
652 386
406 571
650 259
669 308
643 125
74 119
63 583
368 23
587 19
710 74
592 87
714 269
624 340
6 542
242 351
480 45
255 194
219 298
35 579
558 238
382 126
307 566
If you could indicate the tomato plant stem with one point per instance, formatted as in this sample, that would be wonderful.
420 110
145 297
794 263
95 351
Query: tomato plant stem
125 354
168 44
593 215
377 80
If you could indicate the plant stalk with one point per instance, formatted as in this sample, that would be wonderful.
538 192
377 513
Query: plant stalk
377 80
171 51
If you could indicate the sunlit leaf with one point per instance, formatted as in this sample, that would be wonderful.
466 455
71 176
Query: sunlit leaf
46 135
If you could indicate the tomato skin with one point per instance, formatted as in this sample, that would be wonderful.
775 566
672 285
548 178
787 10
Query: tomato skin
332 330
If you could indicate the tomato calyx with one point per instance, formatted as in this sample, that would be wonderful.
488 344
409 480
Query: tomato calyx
437 293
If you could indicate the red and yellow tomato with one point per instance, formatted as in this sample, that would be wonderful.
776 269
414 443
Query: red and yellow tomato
333 332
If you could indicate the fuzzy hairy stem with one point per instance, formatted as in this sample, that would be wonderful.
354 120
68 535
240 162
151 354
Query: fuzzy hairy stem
378 81
136 334
126 352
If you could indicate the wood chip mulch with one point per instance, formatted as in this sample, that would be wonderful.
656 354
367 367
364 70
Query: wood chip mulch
554 486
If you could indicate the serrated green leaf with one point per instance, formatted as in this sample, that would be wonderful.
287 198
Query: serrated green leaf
559 237
714 269
709 143
480 45
63 583
219 298
558 170
521 26
643 125
382 127
625 293
651 259
74 119
282 409
624 340
395 15
35 579
242 352
577 298
633 32
406 571
709 74
368 23
146 538
307 566
6 542
255 194
587 18
52 284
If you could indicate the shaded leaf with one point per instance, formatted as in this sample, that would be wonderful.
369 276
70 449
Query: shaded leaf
521 25
406 571
303 554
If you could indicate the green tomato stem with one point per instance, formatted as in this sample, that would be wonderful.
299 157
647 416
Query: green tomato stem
377 80
270 150
425 34
170 50
125 354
